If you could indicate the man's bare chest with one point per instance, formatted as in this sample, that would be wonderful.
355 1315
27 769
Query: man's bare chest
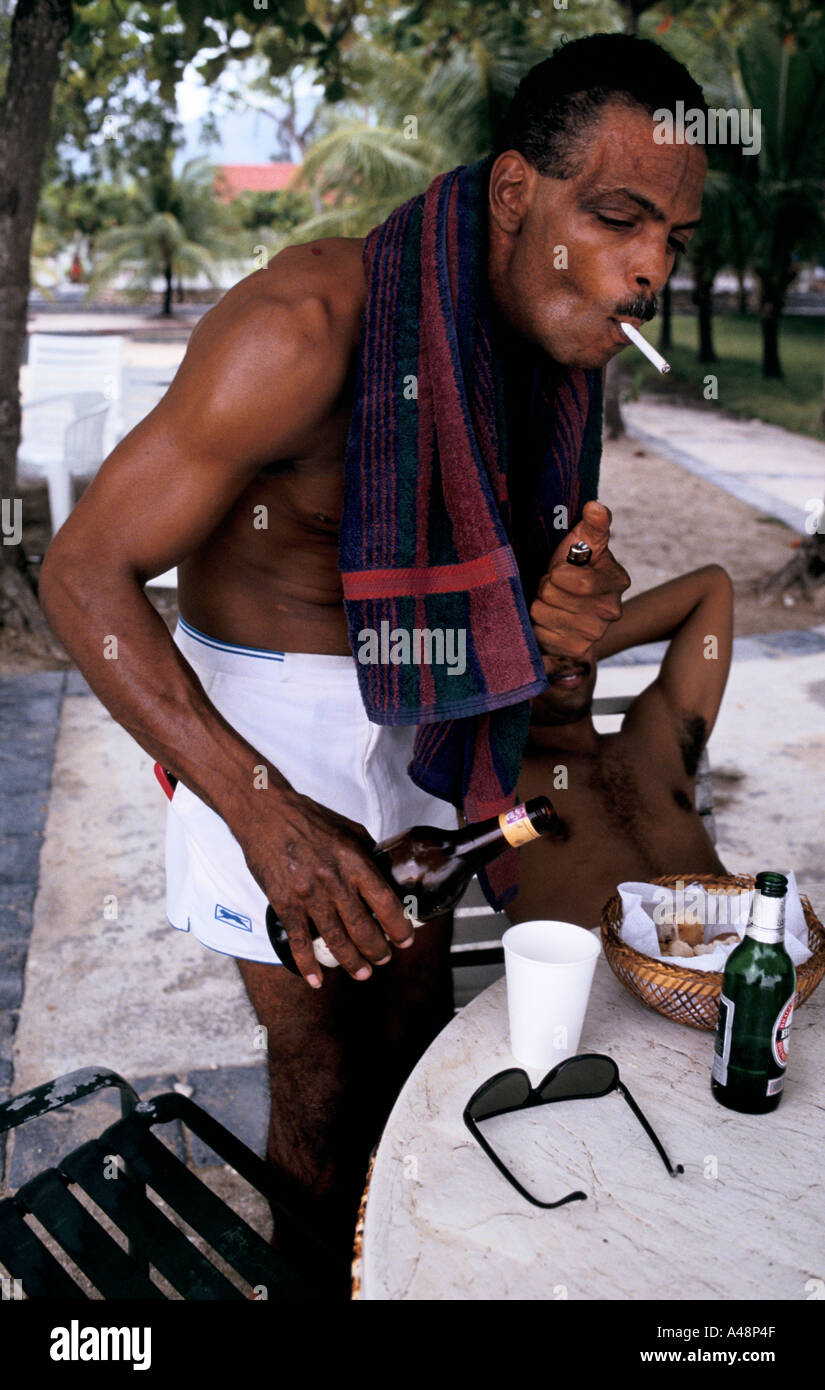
617 800
270 567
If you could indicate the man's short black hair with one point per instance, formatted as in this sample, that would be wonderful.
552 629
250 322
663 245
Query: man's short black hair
559 98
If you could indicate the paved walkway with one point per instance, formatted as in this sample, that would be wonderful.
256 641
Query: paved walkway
774 470
90 972
147 327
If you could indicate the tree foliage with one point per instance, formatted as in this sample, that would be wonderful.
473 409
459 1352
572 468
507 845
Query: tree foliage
178 229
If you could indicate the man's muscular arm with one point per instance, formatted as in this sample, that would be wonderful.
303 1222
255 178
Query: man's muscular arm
257 374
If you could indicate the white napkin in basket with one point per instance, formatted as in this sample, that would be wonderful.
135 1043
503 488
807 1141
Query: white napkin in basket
640 900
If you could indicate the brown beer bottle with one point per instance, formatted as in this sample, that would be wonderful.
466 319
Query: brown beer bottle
430 868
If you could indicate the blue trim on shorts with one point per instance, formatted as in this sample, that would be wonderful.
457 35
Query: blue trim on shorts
217 646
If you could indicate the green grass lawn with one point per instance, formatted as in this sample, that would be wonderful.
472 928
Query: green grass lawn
795 402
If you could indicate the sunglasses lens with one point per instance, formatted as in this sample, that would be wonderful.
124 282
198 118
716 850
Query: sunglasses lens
506 1092
581 1076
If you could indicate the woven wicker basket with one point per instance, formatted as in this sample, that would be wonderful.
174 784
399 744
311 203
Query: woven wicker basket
692 996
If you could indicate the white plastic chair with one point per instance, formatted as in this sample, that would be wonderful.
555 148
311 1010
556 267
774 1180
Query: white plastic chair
65 363
71 448
64 370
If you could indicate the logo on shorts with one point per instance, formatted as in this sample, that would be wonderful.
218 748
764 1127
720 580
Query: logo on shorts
233 919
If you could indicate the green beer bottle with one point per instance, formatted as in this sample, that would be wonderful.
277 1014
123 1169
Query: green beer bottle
755 1008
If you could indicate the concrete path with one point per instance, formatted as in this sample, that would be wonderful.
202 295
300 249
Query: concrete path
149 326
90 971
778 472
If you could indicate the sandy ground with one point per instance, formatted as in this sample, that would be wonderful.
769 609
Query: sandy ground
667 521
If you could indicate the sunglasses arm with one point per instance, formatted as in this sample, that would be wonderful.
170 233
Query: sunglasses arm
505 1171
620 1086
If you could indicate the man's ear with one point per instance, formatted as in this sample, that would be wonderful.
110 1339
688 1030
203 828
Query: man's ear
511 190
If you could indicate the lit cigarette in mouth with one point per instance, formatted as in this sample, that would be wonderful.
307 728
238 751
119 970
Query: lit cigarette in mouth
644 346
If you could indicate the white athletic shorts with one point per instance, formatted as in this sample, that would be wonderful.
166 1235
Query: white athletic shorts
304 713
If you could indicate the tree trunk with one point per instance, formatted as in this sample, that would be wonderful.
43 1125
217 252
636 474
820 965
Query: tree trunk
632 10
703 299
38 29
742 305
613 422
631 23
179 291
666 326
771 311
167 297
803 573
24 612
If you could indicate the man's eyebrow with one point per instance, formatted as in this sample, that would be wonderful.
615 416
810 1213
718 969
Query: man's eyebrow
647 206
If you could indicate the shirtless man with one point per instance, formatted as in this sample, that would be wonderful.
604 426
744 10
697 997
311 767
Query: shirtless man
628 808
258 416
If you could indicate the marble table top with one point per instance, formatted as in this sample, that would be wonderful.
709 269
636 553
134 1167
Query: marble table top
745 1220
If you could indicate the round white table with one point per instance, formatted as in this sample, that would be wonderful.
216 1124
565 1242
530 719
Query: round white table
746 1219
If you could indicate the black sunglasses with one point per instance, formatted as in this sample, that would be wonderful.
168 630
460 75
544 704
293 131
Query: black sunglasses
585 1077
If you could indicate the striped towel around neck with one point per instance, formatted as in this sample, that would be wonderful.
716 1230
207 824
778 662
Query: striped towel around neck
470 454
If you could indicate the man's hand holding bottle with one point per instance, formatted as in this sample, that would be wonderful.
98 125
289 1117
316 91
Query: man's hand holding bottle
316 867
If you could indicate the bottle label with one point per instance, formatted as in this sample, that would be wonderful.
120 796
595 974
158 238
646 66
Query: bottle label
724 1034
775 1086
781 1031
517 827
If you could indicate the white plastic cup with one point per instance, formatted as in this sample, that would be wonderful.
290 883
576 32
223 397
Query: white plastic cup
549 969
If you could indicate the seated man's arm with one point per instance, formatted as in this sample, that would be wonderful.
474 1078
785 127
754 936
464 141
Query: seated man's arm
696 612
256 376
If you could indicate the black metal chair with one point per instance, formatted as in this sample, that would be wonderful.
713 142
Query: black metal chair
114 1171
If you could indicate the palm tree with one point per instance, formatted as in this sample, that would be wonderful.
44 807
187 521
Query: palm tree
786 81
183 230
364 169
362 172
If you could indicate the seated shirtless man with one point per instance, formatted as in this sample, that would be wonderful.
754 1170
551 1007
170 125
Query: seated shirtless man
628 810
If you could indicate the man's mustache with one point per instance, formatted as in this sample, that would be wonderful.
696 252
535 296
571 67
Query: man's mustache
644 307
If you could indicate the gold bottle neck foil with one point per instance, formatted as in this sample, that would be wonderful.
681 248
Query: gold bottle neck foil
517 827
